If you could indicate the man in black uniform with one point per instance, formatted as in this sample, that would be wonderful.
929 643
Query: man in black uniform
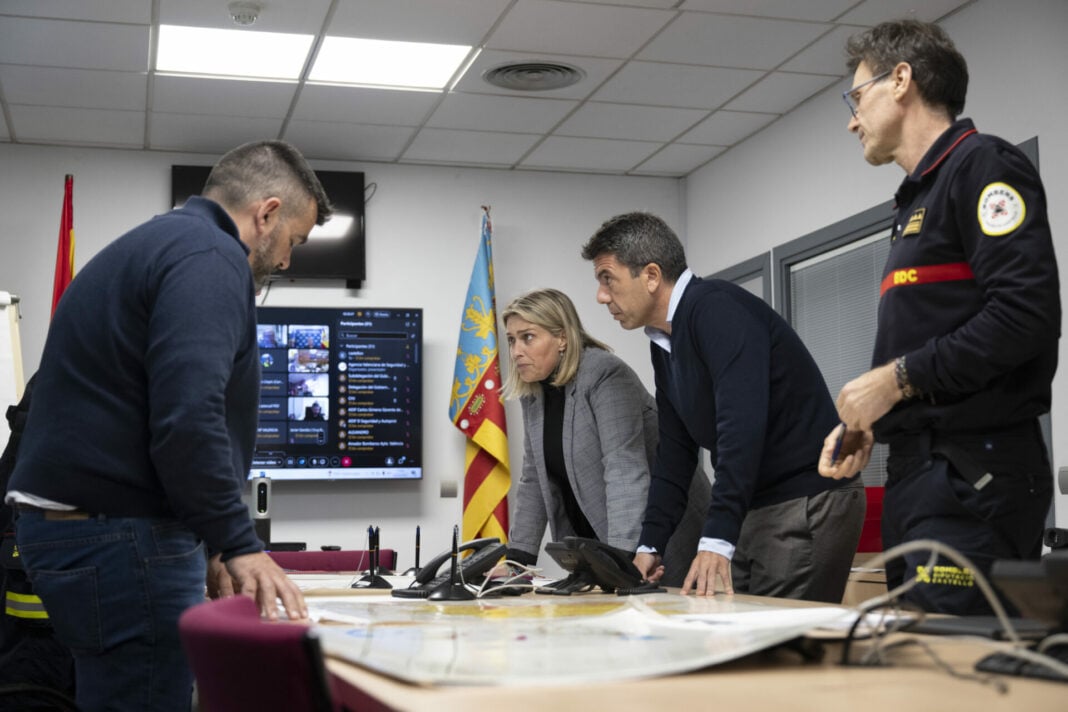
969 318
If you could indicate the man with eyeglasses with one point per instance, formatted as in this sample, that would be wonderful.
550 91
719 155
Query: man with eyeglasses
968 323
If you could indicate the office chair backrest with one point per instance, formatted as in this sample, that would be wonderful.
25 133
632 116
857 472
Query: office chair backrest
242 663
351 560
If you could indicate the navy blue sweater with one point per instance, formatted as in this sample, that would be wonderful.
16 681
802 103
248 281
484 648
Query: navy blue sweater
145 403
739 382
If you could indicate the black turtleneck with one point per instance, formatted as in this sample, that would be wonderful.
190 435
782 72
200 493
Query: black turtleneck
554 459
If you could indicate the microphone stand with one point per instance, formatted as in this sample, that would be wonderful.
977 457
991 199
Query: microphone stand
372 579
414 570
453 589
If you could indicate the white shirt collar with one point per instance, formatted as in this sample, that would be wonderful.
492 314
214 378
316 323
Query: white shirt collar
662 338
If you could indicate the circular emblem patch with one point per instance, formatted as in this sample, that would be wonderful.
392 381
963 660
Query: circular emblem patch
1001 209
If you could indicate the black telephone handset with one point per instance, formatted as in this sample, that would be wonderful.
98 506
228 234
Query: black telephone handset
485 553
594 563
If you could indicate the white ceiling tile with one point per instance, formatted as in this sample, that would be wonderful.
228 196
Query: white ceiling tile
826 55
77 73
128 11
639 3
207 134
222 97
728 41
596 154
726 128
628 121
468 147
819 10
577 29
365 105
596 70
305 17
779 92
78 126
679 85
348 142
483 112
872 12
86 88
678 160
86 45
441 21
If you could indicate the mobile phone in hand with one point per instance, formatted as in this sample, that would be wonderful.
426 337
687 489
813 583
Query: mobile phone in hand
838 444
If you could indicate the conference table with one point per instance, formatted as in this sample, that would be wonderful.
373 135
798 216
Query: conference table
784 677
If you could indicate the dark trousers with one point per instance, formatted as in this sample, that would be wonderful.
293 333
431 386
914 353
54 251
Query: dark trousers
930 497
801 548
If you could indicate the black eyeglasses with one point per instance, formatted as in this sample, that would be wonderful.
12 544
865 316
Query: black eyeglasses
852 96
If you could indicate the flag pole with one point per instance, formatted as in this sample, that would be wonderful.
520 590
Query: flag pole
475 407
65 245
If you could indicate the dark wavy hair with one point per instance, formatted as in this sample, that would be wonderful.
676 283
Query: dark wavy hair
939 70
638 239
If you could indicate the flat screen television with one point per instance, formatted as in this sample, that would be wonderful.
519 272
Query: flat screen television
340 394
335 250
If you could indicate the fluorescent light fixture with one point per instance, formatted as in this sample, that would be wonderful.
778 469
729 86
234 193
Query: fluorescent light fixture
337 226
350 60
231 53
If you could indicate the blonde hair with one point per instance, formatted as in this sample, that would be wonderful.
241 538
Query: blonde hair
553 311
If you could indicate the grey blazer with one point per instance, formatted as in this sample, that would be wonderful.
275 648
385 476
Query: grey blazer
609 442
610 436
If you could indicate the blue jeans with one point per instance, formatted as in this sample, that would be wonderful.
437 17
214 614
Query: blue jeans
114 588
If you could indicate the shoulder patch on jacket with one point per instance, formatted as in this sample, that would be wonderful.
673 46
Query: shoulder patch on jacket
1001 209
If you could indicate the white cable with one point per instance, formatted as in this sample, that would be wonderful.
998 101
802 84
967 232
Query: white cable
1018 649
938 548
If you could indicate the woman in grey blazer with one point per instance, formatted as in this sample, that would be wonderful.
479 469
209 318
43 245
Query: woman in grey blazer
590 433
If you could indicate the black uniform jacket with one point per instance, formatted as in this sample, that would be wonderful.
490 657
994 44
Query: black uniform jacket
970 292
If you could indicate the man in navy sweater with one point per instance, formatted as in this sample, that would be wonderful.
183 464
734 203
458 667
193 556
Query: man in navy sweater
141 430
732 377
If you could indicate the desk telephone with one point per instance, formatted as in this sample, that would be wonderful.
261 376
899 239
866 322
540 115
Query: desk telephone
593 563
485 553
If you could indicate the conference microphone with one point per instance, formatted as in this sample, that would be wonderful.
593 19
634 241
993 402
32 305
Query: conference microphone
261 508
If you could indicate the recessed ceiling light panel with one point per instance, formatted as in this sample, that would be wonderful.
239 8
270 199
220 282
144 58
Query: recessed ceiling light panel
350 60
231 53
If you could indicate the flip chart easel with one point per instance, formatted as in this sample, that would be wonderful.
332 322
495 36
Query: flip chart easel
12 382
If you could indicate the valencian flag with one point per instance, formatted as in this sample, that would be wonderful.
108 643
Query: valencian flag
476 408
65 250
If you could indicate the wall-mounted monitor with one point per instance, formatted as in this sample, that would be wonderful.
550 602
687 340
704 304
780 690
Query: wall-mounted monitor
335 250
341 394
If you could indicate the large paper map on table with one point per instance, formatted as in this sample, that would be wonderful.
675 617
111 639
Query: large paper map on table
534 640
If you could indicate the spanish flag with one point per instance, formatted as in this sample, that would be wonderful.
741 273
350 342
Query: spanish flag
475 406
65 249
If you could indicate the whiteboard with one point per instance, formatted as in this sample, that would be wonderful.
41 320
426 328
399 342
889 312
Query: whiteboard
11 379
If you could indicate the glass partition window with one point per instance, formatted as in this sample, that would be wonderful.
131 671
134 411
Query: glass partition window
834 298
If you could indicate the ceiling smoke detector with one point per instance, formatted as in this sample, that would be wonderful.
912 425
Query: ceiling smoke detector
533 76
244 13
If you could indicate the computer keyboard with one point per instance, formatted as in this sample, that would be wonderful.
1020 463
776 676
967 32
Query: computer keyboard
1005 664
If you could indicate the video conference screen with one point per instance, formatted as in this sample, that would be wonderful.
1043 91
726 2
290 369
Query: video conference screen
340 394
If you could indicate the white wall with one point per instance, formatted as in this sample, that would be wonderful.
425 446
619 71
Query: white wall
806 171
422 234
802 173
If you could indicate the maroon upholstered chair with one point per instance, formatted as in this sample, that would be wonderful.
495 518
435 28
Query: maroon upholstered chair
243 663
352 560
